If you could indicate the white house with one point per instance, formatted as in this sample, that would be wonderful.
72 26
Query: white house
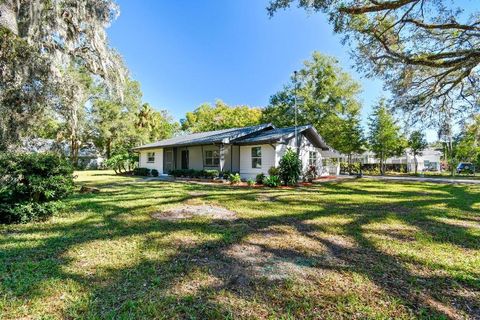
249 150
429 160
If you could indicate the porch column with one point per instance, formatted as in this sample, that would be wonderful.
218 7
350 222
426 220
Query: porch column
222 157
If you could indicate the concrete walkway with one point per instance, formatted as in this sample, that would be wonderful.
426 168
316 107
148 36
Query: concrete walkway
425 179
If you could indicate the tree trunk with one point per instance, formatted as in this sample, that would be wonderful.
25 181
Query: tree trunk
416 163
382 169
109 148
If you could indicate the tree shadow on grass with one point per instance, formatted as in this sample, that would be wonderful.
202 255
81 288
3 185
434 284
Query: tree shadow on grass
149 287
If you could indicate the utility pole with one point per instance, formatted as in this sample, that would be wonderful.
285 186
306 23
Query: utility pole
295 106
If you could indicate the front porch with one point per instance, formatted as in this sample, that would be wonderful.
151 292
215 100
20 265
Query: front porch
224 157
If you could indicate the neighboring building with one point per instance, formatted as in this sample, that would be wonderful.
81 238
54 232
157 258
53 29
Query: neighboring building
88 156
249 150
430 160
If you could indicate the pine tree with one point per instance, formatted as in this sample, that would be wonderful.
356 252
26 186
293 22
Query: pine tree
385 139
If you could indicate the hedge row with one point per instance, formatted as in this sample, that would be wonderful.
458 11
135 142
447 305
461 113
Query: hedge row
145 172
191 173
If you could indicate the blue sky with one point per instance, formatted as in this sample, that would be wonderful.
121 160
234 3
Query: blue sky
189 52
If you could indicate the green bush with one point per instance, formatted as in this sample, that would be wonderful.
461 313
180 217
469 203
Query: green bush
154 173
144 172
225 174
250 182
259 178
346 167
122 163
290 167
273 171
272 181
235 178
211 174
190 173
32 184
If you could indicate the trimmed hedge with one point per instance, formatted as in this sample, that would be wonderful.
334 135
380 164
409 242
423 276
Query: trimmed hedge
31 186
144 172
190 173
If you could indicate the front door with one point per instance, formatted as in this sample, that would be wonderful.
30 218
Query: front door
168 165
184 159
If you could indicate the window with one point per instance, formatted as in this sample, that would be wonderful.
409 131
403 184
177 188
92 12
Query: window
312 158
256 157
150 157
324 162
212 158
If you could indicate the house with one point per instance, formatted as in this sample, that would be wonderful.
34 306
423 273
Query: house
429 160
249 150
89 157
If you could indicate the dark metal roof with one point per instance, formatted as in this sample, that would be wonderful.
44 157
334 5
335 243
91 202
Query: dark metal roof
210 137
283 134
264 133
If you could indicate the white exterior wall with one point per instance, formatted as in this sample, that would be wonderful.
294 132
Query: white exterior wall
158 164
430 155
332 159
268 160
305 148
196 158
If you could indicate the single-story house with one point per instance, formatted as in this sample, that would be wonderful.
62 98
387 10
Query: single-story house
248 151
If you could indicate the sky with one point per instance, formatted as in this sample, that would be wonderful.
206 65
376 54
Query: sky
185 53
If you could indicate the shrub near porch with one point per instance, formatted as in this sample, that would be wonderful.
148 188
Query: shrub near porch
355 249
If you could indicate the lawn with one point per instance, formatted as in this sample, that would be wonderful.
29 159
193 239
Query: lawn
353 249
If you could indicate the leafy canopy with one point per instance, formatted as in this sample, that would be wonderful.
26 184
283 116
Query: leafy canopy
329 102
221 116
384 137
39 42
426 51
417 143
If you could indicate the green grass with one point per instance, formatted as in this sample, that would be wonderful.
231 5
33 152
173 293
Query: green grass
353 249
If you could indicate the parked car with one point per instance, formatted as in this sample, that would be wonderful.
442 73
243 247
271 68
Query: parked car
465 167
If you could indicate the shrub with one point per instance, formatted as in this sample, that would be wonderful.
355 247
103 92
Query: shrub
211 174
310 174
272 181
32 184
122 163
290 167
225 174
235 178
191 173
154 173
144 172
250 182
259 178
353 167
273 171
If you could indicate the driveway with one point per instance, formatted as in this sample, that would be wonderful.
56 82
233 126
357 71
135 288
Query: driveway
424 179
